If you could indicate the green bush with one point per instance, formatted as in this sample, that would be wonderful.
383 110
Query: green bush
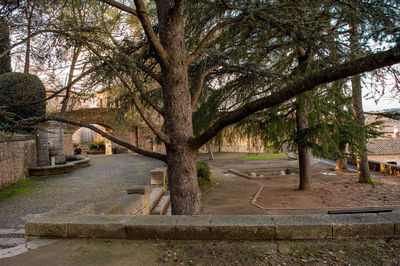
23 95
203 171
96 145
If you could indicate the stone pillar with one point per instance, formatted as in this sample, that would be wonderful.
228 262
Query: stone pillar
56 138
42 143
107 143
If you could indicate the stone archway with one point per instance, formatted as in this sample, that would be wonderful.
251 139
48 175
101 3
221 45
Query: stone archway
105 118
135 134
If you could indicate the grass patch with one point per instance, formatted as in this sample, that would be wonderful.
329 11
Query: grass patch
19 187
264 156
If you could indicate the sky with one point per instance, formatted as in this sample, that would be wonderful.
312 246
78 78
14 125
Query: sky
370 105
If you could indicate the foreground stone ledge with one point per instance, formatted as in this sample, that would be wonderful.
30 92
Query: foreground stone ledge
152 227
394 218
291 227
214 227
195 227
98 226
48 226
361 226
246 227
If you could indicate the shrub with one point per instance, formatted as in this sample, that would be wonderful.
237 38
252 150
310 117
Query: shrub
23 95
97 145
203 171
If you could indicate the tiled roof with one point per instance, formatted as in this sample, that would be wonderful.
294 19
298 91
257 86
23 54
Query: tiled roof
384 146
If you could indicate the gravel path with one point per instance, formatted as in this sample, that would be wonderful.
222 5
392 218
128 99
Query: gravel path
105 177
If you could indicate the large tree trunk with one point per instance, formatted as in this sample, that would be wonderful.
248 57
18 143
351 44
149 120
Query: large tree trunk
364 175
181 160
341 163
5 61
304 151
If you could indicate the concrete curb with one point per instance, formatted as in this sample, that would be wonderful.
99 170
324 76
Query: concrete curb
216 227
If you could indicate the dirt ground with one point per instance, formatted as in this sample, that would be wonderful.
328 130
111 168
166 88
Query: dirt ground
279 194
161 252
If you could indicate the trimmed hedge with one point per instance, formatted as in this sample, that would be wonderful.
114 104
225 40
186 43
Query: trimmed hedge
22 94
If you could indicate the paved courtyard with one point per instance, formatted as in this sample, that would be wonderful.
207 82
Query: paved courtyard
105 177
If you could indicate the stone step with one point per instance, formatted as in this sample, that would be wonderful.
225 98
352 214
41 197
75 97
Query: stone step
124 204
11 242
134 204
12 233
162 204
155 195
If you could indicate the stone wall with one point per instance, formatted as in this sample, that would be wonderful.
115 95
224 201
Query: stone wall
68 145
17 154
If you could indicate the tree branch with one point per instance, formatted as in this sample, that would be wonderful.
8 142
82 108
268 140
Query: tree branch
165 138
148 71
298 86
25 40
152 154
69 85
120 6
210 34
151 35
200 84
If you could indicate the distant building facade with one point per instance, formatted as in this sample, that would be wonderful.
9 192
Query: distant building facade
386 150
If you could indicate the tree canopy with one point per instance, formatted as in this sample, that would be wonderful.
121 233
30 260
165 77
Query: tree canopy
205 65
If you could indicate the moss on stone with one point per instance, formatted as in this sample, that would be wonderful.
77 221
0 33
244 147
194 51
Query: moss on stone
17 188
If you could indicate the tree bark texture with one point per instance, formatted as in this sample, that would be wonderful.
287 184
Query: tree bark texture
364 175
5 61
304 151
341 163
70 79
181 159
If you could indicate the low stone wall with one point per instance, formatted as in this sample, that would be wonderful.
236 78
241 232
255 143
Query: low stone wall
215 227
17 155
386 168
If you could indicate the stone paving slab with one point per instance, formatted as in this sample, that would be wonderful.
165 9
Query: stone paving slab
361 226
11 242
215 227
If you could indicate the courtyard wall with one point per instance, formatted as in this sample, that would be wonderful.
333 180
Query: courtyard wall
17 154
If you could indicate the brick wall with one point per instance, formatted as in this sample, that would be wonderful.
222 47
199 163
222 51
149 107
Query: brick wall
17 154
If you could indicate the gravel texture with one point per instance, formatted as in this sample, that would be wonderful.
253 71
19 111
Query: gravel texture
104 178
